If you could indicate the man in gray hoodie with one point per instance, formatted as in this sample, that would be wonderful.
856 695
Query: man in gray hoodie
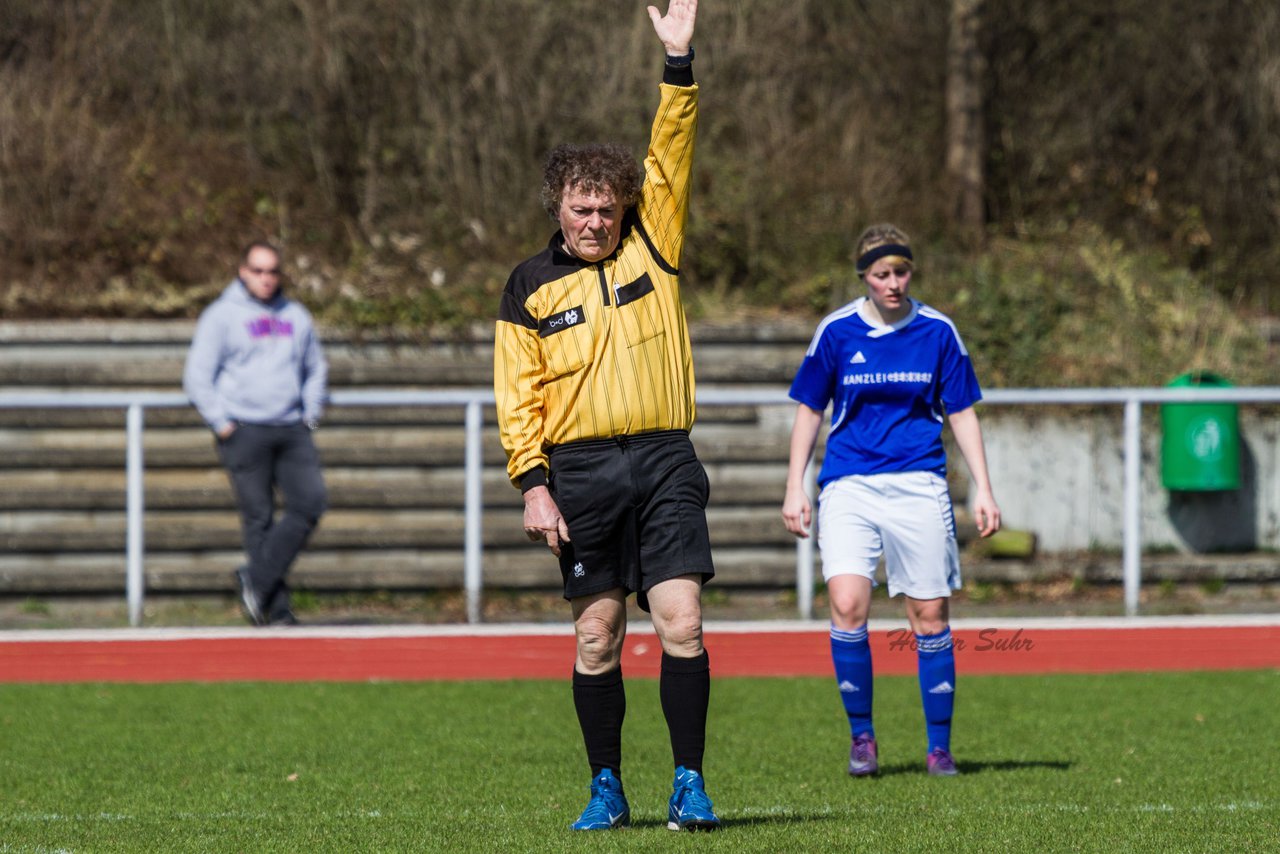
258 378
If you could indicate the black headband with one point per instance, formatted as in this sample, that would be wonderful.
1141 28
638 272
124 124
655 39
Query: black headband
871 256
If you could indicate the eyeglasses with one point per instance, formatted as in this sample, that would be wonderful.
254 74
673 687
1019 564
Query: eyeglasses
264 271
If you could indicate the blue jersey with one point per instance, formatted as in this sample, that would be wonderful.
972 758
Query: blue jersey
890 387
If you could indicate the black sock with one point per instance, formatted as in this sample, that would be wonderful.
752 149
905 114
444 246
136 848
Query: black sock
685 689
601 702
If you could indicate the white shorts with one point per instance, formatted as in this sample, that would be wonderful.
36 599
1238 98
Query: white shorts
906 516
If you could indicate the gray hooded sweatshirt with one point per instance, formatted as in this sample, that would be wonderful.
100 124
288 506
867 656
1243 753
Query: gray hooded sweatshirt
255 363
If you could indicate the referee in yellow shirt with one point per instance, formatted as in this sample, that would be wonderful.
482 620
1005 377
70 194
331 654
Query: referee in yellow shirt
595 392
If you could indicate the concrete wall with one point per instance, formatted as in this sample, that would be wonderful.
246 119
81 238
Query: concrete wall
1059 472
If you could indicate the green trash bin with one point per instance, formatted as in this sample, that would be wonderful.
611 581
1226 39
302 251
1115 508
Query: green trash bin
1200 448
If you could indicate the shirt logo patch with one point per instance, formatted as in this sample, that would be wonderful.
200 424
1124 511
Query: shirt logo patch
268 326
560 322
858 359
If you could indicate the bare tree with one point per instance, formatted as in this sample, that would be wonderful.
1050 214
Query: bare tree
966 142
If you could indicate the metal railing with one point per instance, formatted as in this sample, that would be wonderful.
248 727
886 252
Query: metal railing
135 403
1132 399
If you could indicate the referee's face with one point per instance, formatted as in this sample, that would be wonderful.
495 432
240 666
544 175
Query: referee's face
591 223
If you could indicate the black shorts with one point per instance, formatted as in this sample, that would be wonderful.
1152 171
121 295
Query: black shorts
636 510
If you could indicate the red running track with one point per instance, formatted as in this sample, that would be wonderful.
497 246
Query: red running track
492 652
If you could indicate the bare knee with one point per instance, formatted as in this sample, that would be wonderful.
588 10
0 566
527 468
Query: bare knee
676 608
928 616
599 644
681 633
848 612
850 597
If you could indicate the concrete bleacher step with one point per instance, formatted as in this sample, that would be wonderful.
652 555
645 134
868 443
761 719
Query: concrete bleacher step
30 490
528 567
368 529
209 570
152 354
424 445
346 415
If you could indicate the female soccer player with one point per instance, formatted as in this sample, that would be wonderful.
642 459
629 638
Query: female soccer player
892 368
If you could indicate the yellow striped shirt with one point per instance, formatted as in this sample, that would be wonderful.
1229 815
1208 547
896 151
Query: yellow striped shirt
593 350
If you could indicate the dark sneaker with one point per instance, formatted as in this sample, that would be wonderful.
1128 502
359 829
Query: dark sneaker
941 764
249 597
864 758
607 808
690 808
284 618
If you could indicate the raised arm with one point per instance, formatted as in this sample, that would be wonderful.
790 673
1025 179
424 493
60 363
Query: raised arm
675 29
668 164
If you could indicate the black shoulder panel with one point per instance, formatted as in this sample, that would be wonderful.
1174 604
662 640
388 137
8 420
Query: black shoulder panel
547 266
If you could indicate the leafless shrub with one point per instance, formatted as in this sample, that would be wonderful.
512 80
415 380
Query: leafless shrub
148 140
60 170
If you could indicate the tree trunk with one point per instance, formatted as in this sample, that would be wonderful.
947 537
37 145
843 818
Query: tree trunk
966 142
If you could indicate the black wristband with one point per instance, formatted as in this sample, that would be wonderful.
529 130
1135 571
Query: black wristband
536 476
681 61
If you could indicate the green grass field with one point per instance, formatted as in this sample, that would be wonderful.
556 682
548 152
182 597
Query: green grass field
1146 762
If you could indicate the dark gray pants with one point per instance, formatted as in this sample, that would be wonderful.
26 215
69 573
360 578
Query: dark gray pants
259 459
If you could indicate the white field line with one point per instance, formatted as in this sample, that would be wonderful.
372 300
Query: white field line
639 627
837 810
746 812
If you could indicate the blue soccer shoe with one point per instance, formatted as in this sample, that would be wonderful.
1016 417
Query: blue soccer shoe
690 808
607 808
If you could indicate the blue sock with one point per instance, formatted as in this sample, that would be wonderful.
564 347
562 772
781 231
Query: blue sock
936 663
851 654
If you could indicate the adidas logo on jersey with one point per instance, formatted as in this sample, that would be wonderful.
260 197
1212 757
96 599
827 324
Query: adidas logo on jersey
847 687
943 687
858 359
